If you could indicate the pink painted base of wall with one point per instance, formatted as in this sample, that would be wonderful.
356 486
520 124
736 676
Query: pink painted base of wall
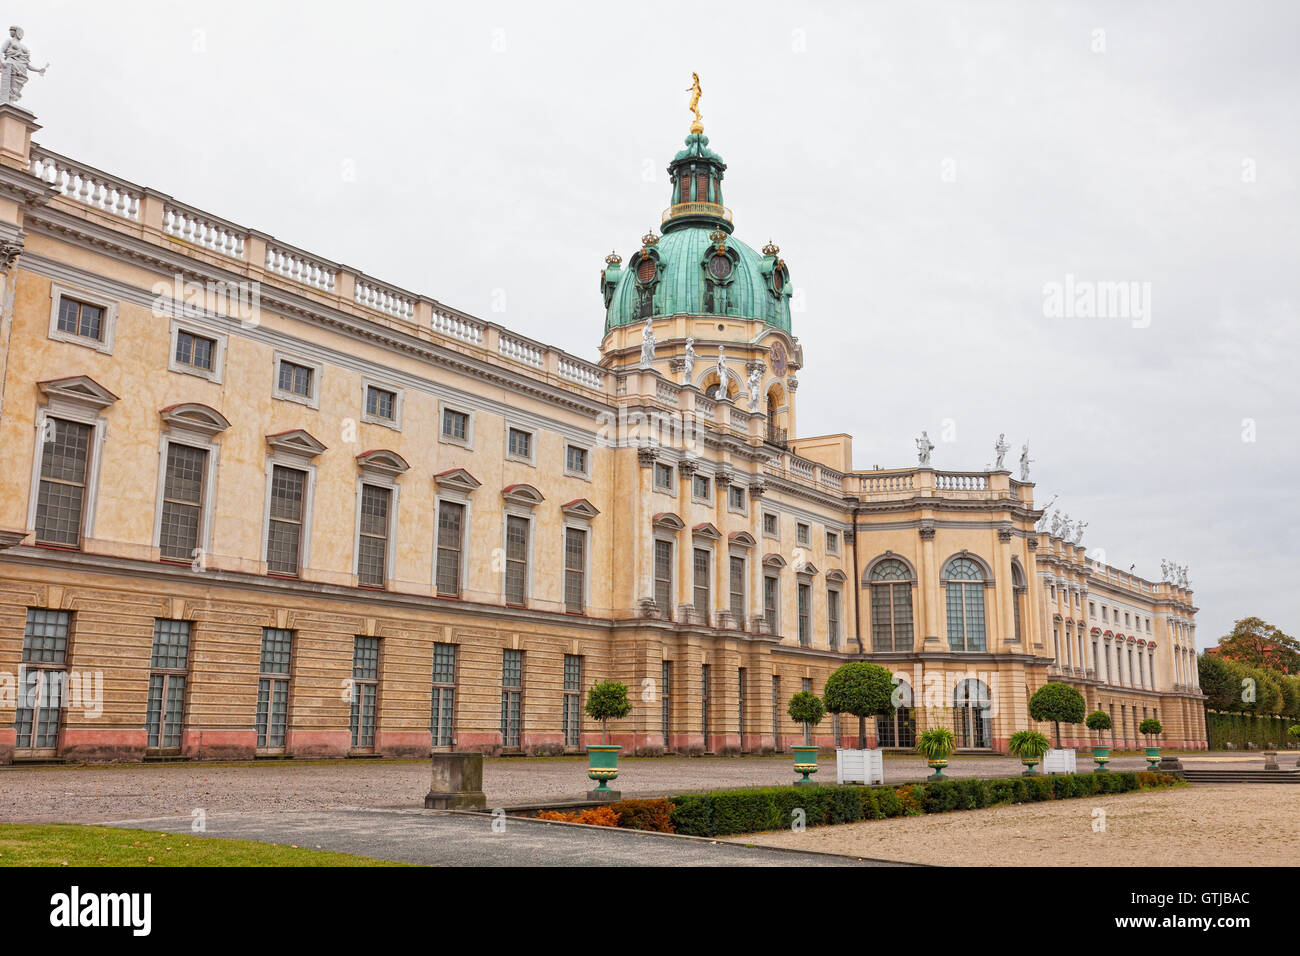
103 744
404 743
318 743
219 744
8 738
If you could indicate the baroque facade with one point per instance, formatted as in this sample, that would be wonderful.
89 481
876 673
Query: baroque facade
255 502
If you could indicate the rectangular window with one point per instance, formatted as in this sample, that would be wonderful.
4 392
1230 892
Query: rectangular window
737 590
702 583
663 476
776 712
512 697
65 468
833 617
770 526
284 530
81 318
168 670
702 488
195 351
443 708
805 615
1092 608
572 700
451 521
704 705
41 679
740 704
575 570
832 543
182 509
516 560
665 700
372 537
296 379
519 443
664 577
770 592
736 498
802 533
365 690
273 688
455 425
381 403
575 460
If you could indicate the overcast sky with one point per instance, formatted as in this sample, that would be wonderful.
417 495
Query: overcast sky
927 169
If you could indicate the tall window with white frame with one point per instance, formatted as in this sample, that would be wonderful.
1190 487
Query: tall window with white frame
701 584
771 602
742 678
736 585
833 618
372 536
704 706
575 570
964 583
182 505
61 496
365 691
284 529
572 712
451 523
443 706
891 606
517 529
776 712
273 688
42 679
512 698
805 615
664 578
1019 592
168 672
665 701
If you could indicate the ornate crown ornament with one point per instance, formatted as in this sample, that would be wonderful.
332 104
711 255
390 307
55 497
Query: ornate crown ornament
613 259
771 248
649 239
719 239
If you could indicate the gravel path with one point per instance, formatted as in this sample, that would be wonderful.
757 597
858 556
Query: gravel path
97 793
1243 825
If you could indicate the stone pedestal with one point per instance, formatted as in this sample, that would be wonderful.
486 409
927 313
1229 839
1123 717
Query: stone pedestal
1270 760
457 783
604 795
1169 763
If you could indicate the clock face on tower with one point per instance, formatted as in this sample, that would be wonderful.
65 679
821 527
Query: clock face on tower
779 360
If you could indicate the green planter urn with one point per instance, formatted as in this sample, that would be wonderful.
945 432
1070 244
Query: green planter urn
937 766
1100 755
1153 757
805 762
1029 766
602 764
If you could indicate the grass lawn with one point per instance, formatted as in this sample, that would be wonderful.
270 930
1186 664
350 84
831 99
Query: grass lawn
67 845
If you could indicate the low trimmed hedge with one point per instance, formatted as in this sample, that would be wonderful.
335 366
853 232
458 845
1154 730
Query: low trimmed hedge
726 812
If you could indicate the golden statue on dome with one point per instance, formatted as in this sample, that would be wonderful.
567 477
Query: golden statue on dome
695 91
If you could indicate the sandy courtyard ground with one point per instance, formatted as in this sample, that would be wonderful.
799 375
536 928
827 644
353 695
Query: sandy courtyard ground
1242 825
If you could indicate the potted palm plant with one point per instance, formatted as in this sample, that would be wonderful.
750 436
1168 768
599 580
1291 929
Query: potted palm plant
1099 721
1029 746
606 701
805 708
1151 728
936 746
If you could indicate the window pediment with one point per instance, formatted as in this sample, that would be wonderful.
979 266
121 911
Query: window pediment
773 560
456 479
195 417
707 530
522 494
384 461
78 390
668 521
297 441
580 508
741 539
836 576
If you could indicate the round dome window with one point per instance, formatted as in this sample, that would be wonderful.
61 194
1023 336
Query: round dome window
720 266
645 269
778 280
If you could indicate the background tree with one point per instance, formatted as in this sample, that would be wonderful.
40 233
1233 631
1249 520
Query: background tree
862 689
607 701
1058 703
1218 681
1257 643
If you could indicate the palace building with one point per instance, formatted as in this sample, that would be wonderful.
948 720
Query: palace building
255 502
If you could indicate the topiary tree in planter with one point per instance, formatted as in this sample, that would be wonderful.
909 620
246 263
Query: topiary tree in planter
1057 703
862 689
606 701
806 708
936 746
1029 746
1149 728
1099 721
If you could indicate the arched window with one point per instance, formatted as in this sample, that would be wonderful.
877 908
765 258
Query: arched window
900 729
972 714
891 606
1019 592
964 582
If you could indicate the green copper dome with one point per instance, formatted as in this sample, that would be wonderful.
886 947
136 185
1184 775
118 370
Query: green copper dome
697 267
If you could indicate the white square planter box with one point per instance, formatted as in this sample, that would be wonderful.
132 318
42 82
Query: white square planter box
859 766
1059 761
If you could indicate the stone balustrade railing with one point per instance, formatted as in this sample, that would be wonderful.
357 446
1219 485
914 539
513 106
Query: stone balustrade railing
961 481
300 267
383 298
458 327
521 350
584 373
86 185
187 225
